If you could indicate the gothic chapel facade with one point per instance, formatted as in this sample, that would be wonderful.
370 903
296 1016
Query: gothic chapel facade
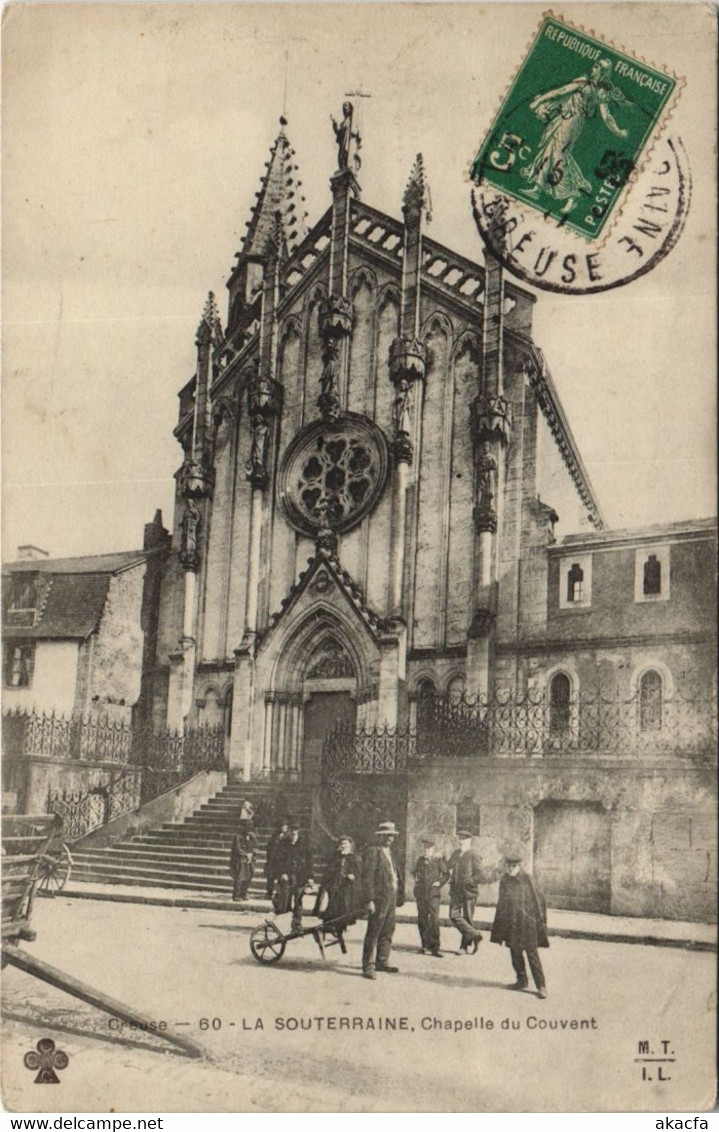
360 492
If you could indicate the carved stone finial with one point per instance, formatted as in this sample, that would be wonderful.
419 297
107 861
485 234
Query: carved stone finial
348 140
210 328
407 360
417 197
196 479
491 419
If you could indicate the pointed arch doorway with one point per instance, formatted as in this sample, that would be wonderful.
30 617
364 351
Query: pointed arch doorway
329 693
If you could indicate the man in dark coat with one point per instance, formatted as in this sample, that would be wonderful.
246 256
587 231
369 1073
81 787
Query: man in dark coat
342 881
466 874
293 871
520 921
430 873
383 891
242 861
281 831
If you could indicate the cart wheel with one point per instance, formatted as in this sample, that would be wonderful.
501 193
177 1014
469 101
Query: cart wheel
267 943
53 870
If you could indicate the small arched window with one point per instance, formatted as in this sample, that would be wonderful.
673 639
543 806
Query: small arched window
575 584
650 701
560 704
426 703
652 576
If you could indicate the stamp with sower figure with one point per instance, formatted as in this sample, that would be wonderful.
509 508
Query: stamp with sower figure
574 188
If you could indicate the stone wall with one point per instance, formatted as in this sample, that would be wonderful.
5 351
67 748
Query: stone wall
117 654
660 820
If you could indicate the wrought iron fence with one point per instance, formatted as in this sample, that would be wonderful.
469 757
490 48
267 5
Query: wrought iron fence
85 810
71 737
532 724
149 762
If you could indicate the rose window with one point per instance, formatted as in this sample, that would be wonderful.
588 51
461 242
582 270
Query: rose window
332 476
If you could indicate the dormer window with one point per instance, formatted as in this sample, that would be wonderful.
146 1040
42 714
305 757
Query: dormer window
22 600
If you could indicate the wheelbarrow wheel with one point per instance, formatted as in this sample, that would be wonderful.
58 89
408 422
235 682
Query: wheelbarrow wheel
53 871
267 943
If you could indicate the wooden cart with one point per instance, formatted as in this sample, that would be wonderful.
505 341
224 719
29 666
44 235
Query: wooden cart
27 841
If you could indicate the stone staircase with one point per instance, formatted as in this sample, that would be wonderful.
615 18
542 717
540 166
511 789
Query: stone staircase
195 853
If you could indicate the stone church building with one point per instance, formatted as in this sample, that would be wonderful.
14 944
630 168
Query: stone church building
381 507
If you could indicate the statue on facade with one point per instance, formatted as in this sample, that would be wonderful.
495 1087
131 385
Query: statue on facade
348 140
487 482
256 465
403 409
190 544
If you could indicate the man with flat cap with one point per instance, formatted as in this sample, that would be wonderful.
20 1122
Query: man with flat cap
520 921
466 874
383 891
430 873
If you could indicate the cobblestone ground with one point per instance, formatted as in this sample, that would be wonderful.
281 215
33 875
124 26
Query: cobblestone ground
463 1041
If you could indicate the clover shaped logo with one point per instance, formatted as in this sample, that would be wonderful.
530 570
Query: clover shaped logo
47 1059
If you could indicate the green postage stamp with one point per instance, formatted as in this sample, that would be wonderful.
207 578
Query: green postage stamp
573 127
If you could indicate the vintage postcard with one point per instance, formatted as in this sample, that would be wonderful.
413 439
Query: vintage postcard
359 545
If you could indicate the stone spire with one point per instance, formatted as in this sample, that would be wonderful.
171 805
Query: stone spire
417 195
279 204
279 196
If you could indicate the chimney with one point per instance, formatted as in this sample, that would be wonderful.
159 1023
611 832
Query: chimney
31 554
155 536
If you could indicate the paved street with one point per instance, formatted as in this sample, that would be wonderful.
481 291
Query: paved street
299 1036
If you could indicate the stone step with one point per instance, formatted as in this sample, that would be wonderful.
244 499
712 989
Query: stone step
173 862
116 876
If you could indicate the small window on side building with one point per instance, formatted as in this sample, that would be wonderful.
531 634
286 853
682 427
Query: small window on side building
575 584
652 576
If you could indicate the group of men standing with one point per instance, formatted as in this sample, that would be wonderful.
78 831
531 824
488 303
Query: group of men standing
372 885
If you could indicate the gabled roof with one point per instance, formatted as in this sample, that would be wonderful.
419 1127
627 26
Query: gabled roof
71 593
279 197
323 559
88 564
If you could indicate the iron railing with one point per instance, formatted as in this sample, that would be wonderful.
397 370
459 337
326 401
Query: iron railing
72 737
528 725
149 762
175 757
85 810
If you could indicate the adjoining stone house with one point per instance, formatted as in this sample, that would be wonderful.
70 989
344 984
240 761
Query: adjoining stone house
381 504
78 645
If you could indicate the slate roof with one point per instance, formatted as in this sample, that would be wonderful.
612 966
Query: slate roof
71 593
